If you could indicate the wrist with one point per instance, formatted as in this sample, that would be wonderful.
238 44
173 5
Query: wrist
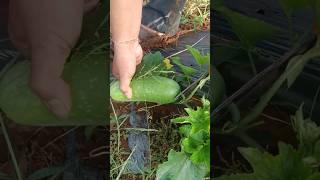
124 46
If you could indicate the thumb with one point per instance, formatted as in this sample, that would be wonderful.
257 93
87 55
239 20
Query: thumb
125 85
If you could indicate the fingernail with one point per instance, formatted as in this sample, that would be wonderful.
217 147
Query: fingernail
58 108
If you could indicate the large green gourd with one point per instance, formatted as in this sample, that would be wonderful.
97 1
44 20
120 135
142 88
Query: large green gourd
87 78
155 89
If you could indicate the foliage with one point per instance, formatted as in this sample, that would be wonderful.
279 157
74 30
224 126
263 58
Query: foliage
249 30
298 164
195 146
151 65
179 166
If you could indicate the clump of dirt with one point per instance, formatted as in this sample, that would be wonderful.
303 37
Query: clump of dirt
158 42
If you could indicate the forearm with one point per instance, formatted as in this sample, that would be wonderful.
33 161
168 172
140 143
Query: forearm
125 18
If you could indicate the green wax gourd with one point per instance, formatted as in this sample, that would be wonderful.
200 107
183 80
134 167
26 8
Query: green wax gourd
88 82
155 89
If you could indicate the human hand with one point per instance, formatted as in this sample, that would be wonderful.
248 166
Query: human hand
127 55
45 31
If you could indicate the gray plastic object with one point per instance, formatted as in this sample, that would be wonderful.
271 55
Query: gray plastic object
138 142
163 15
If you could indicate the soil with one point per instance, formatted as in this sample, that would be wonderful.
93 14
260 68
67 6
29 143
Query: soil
40 147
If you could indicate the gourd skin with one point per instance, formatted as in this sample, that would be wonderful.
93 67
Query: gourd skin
88 82
155 89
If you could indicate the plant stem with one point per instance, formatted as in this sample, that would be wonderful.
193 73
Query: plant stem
253 66
264 100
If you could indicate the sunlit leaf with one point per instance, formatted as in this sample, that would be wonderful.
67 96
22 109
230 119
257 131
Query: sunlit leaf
180 167
200 59
189 71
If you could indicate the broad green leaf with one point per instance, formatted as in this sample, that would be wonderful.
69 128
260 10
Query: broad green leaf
189 71
194 141
201 59
288 164
151 64
179 167
196 133
202 156
185 130
190 145
249 30
199 118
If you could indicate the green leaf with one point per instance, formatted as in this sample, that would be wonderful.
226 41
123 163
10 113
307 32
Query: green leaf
202 156
201 59
179 167
190 145
189 71
199 119
294 69
308 132
288 164
194 141
249 30
196 132
185 130
151 64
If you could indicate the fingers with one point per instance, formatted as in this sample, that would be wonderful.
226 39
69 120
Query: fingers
115 71
47 66
125 80
54 93
139 54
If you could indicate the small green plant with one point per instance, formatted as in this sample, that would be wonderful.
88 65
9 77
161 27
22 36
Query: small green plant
193 161
300 164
